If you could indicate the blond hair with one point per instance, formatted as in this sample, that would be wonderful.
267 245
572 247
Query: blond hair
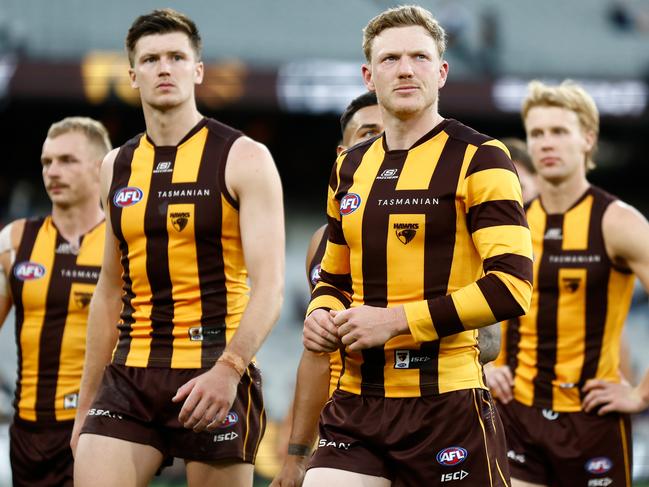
571 96
94 131
403 16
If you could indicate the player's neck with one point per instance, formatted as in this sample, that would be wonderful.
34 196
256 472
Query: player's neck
75 221
401 134
168 127
558 197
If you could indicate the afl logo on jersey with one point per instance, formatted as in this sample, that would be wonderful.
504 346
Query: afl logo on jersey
230 420
349 204
29 271
127 196
452 456
315 275
599 465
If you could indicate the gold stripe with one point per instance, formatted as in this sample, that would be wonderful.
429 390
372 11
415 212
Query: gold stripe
484 435
576 223
472 307
420 321
261 428
420 164
500 472
492 185
625 452
500 240
245 440
234 268
132 223
188 158
185 286
34 299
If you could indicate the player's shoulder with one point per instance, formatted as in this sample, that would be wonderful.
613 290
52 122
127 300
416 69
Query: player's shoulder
12 233
463 133
221 129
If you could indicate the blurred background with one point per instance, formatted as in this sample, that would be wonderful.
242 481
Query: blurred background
282 71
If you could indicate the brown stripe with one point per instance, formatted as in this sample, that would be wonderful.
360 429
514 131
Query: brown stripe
49 351
157 261
426 137
348 168
513 264
546 321
336 234
121 176
23 254
209 244
438 250
597 279
340 281
489 157
512 344
317 257
495 213
445 317
331 291
500 300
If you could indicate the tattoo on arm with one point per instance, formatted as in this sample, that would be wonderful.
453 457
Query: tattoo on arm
299 450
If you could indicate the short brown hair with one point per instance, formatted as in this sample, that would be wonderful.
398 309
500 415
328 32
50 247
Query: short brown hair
403 16
91 128
568 95
162 21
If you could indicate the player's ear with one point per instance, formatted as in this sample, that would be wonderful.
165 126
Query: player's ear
366 71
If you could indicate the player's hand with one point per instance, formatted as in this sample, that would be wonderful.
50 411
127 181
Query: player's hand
320 334
208 398
501 382
612 397
292 472
368 326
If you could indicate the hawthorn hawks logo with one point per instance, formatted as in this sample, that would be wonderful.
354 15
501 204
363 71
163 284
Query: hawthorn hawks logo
406 231
179 220
82 299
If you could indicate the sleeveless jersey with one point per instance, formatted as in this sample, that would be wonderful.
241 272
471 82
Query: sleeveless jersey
51 285
184 277
573 329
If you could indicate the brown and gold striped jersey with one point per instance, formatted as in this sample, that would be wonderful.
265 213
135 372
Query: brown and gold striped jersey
439 229
51 284
580 300
313 276
184 276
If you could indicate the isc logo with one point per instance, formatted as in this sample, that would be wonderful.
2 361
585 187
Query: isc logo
599 465
349 203
28 271
447 477
451 456
127 196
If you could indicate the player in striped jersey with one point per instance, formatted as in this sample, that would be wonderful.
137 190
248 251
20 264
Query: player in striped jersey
194 213
48 271
563 402
427 243
317 373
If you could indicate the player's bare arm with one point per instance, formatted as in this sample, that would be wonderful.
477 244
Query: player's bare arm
311 392
9 239
626 233
104 312
252 178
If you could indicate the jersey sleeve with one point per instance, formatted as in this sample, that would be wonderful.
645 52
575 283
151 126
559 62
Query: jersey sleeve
499 231
334 290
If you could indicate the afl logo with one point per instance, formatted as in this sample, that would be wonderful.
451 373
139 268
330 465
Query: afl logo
29 271
349 203
127 196
599 465
451 456
315 275
230 420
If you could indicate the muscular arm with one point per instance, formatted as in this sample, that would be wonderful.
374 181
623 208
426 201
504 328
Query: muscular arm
103 314
626 235
311 392
252 178
9 239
